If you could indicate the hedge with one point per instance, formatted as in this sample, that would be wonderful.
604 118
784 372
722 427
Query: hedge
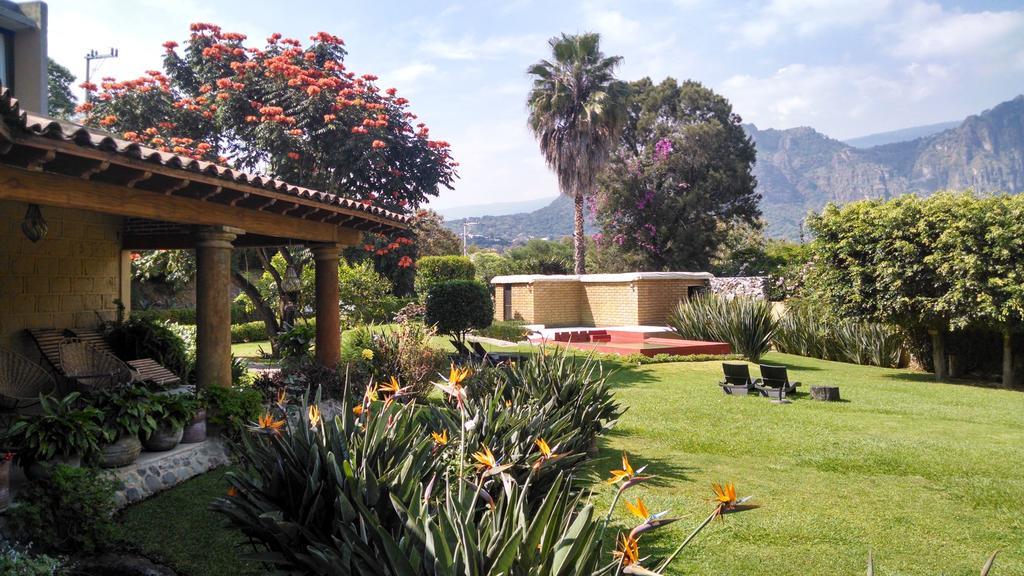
431 270
188 315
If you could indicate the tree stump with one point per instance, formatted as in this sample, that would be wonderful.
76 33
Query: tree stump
825 393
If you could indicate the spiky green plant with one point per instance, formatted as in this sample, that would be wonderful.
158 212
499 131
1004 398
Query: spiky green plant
747 324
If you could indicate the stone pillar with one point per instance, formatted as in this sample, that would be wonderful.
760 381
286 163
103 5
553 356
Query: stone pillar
213 305
328 312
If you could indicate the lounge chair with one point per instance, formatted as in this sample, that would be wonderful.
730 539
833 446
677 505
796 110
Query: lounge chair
737 380
145 370
774 382
22 381
461 349
148 369
90 369
480 352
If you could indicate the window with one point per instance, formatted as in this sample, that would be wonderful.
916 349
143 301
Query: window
692 291
7 58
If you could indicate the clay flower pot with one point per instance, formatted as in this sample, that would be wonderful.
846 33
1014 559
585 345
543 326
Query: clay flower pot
195 431
5 483
120 453
164 438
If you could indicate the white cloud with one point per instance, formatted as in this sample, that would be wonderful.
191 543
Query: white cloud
945 34
611 24
784 18
841 101
407 76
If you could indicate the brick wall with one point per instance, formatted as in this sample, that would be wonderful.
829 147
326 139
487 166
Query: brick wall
557 303
609 304
60 281
522 302
658 298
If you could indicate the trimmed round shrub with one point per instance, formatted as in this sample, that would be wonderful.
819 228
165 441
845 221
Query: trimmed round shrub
458 306
431 270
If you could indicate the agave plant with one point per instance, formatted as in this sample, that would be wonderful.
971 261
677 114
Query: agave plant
807 331
747 324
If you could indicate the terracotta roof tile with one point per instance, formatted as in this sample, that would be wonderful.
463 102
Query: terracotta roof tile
35 124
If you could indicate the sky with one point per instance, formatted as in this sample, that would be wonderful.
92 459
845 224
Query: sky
844 67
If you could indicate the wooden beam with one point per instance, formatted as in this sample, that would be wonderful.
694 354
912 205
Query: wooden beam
64 191
96 168
184 183
73 149
267 204
212 193
235 201
38 161
140 177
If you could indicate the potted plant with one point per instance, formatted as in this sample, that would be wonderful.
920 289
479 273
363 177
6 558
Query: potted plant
127 414
62 433
195 428
172 412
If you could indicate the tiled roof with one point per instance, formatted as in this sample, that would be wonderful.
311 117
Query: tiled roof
31 124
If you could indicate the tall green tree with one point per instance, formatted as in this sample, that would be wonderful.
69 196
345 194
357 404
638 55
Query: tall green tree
949 262
62 101
680 178
576 113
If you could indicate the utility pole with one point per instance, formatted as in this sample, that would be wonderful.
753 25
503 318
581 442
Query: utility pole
89 57
465 230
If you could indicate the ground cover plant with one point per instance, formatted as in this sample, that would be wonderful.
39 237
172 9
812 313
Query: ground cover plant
921 474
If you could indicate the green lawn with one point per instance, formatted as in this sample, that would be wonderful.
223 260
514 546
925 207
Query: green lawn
928 476
177 528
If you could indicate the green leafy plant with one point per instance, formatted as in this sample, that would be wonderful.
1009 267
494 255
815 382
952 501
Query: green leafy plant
127 411
458 306
16 562
62 429
747 324
296 343
809 330
508 330
404 352
174 410
230 406
69 512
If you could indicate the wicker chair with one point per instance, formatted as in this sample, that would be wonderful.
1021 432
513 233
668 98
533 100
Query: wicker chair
90 369
22 381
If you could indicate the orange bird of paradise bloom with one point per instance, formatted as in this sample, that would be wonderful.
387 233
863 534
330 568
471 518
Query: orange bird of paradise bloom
314 416
267 424
440 439
485 459
627 473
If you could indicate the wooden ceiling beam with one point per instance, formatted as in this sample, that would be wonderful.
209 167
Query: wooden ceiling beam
95 168
58 190
115 159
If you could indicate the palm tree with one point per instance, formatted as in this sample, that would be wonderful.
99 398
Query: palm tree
576 112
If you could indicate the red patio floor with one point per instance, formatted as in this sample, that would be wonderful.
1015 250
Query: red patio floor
634 340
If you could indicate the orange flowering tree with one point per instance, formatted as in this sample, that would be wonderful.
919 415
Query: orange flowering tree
290 109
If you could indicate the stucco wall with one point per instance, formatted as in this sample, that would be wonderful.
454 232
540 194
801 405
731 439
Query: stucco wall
63 280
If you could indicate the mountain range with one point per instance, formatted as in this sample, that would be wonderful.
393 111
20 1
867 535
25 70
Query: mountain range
801 169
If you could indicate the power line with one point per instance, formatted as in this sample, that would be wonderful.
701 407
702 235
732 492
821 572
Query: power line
89 57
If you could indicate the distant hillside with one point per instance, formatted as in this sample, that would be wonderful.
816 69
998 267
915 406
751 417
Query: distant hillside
552 221
494 209
800 169
900 135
